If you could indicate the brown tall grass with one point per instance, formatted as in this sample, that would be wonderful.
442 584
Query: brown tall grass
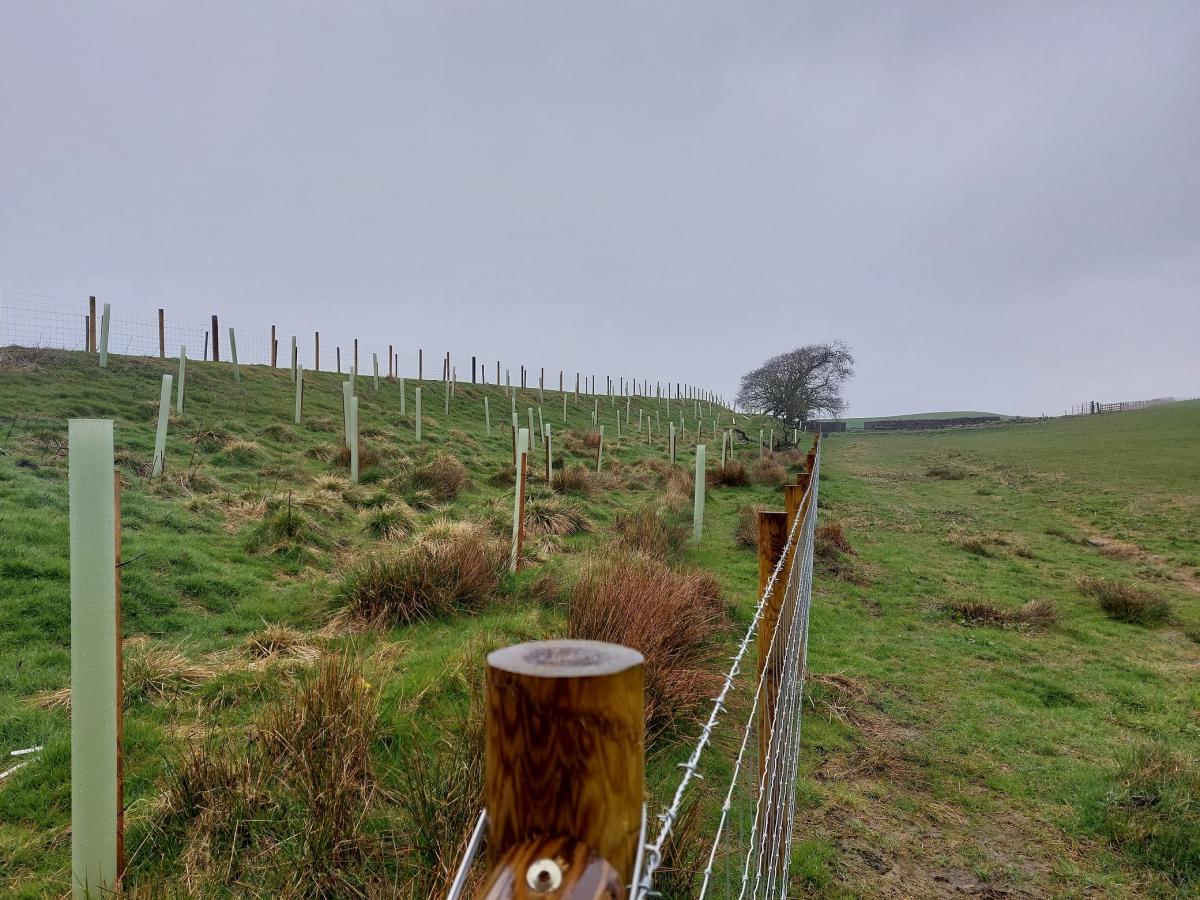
445 477
1034 614
647 530
769 472
290 810
674 619
732 474
745 531
1125 603
450 566
551 514
575 480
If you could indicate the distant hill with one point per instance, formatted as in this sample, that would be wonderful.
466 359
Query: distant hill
856 421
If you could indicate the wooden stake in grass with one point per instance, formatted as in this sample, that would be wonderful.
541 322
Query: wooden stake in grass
179 386
237 373
160 434
299 392
295 358
402 396
549 457
760 443
487 417
96 803
375 364
105 321
671 445
564 719
354 440
531 431
92 345
564 409
521 467
698 504
162 334
600 450
541 423
417 408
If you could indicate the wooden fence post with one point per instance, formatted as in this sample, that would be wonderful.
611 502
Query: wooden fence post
772 537
96 801
317 351
355 360
417 408
521 469
92 345
274 349
564 768
420 365
216 341
487 417
162 334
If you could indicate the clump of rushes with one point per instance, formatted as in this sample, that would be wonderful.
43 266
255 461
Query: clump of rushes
368 456
444 477
450 566
288 530
946 473
673 618
830 539
1125 603
648 531
551 514
732 474
745 531
1034 614
150 674
769 472
292 810
238 451
575 480
591 439
391 522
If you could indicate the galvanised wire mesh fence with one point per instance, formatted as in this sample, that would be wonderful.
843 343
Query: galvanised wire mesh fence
41 321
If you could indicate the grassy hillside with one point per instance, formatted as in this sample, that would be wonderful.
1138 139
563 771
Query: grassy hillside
976 721
241 568
970 745
857 421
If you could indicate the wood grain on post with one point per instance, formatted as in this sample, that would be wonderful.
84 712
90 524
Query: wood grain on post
772 537
92 345
162 334
317 351
565 760
216 341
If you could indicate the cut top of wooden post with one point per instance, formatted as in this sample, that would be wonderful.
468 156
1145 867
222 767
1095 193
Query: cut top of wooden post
566 747
564 659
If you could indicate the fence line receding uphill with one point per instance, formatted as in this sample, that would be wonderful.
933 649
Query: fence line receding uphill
565 755
44 322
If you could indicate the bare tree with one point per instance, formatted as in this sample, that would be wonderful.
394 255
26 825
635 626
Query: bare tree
796 386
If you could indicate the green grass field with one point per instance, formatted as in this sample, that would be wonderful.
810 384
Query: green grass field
941 755
856 422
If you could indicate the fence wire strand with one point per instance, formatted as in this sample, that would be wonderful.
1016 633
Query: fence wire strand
768 848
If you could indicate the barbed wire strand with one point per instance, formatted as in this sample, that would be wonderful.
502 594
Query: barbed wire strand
670 814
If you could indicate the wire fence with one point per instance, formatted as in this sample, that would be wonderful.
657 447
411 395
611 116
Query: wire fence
748 852
753 860
1094 407
46 322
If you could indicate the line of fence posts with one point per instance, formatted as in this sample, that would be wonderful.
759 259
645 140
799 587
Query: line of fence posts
564 761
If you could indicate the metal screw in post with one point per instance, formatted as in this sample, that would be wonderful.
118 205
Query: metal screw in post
544 876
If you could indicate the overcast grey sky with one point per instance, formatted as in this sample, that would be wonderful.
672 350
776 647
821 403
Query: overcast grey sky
997 205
